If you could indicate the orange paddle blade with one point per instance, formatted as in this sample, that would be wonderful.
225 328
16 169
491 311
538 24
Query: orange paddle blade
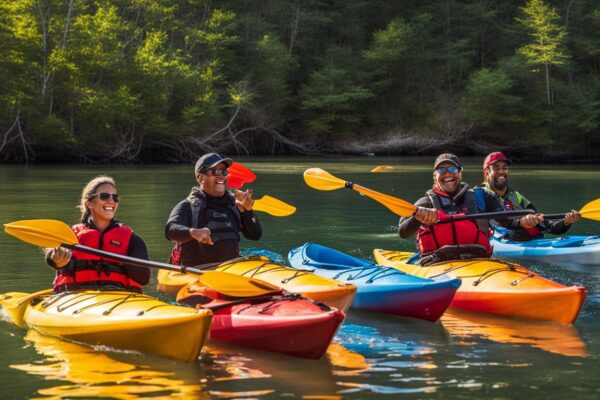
273 206
381 168
398 206
320 179
323 180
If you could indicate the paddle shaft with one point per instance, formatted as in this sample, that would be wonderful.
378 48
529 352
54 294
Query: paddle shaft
490 215
555 216
137 261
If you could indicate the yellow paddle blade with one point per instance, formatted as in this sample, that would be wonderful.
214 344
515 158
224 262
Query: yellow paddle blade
14 304
381 168
320 179
42 232
235 285
397 206
53 233
591 210
273 206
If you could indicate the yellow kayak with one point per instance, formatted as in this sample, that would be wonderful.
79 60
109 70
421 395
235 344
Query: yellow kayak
82 372
331 292
118 319
498 287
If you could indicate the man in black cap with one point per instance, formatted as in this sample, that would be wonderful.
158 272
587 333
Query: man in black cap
441 241
206 225
495 173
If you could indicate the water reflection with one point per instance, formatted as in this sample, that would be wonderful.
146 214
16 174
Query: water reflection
404 350
547 336
223 371
92 373
238 372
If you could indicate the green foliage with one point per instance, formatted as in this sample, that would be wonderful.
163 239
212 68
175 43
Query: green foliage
89 79
547 46
488 100
272 74
332 98
54 133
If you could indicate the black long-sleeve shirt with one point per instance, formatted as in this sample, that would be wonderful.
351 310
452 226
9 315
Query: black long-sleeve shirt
177 229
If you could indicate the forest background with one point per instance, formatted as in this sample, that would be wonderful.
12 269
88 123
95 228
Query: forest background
165 80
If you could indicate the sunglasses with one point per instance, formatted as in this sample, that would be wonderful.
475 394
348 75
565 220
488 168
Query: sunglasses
105 196
451 169
217 172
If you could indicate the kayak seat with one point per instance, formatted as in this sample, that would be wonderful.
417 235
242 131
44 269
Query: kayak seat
454 252
329 258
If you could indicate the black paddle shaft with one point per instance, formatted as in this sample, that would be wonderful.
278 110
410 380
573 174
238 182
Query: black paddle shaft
490 215
554 216
132 260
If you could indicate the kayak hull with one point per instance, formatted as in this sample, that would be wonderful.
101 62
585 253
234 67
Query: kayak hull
379 289
287 324
122 320
567 251
334 293
173 281
498 287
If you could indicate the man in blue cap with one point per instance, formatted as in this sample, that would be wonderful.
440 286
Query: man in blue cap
206 225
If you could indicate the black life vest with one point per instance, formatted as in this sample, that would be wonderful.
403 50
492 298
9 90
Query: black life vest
224 223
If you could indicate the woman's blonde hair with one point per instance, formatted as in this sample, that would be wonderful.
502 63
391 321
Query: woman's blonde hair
89 190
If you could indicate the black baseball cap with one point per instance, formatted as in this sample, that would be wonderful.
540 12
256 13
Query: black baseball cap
211 160
447 157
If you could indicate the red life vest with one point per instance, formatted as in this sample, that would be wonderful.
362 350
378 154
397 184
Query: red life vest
465 232
89 269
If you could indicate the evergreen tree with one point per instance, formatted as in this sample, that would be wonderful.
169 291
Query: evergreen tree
548 39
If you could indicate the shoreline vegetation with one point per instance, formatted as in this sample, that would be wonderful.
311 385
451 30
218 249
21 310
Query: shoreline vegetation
112 81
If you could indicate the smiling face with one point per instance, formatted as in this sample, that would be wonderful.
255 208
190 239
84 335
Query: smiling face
213 184
497 175
103 211
447 181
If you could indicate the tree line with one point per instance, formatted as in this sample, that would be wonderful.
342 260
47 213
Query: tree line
164 80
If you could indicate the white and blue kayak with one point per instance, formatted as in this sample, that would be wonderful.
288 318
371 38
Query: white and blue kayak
379 289
567 251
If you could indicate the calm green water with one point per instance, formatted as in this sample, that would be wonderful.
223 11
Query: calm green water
374 356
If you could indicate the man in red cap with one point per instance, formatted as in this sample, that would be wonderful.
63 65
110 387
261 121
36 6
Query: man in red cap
206 225
495 173
439 238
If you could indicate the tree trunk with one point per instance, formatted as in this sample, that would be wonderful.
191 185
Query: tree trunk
548 84
294 27
44 32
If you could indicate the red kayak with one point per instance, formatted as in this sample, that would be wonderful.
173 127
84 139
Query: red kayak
282 323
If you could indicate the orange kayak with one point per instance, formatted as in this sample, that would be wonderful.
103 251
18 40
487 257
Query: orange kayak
498 287
331 292
554 338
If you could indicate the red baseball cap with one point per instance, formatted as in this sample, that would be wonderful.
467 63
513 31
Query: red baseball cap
494 157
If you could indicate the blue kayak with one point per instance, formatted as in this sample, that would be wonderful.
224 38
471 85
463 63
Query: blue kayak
567 251
379 289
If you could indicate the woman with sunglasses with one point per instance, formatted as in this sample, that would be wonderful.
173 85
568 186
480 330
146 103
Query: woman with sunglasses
206 225
449 195
99 229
